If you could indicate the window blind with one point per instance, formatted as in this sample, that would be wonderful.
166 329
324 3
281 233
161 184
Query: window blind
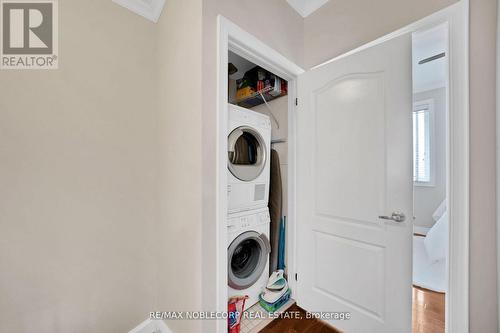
421 145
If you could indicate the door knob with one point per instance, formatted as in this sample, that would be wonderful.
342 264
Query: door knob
396 217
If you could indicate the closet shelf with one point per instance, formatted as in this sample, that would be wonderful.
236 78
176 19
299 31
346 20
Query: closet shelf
255 99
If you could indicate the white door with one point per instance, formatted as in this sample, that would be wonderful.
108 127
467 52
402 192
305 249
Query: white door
354 164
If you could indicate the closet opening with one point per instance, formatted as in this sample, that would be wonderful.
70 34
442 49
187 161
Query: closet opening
258 116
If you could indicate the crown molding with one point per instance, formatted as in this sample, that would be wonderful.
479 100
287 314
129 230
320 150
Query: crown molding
148 9
306 7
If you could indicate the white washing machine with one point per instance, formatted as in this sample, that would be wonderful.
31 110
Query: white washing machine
248 254
249 151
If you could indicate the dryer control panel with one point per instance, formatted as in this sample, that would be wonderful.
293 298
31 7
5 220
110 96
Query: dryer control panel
249 117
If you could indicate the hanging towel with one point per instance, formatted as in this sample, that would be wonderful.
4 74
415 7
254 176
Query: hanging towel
275 209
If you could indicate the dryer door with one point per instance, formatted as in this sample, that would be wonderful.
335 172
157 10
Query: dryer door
246 153
247 258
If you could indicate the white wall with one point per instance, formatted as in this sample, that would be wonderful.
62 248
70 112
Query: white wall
179 91
78 175
428 198
342 25
279 108
483 306
100 173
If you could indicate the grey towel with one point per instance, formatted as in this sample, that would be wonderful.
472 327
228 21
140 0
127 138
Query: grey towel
275 208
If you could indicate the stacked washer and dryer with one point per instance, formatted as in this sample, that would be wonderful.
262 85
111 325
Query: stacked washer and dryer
249 148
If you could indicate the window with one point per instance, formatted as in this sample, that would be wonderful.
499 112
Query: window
423 118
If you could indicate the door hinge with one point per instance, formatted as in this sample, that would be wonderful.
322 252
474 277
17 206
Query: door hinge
296 101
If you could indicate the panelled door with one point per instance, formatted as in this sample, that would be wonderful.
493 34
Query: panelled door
354 189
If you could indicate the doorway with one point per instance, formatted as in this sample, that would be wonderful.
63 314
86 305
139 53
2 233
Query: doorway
430 65
257 187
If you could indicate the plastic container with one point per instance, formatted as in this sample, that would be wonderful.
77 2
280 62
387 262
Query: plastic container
235 307
276 305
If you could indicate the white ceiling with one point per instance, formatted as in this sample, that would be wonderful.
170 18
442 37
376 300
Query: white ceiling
306 7
431 75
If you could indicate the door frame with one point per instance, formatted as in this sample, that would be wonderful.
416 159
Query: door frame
231 37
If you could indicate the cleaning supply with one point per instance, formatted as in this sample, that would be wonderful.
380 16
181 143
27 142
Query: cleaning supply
281 244
276 280
272 296
276 292
235 307
273 307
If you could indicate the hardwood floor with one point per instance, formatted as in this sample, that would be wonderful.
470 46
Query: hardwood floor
428 317
428 311
298 324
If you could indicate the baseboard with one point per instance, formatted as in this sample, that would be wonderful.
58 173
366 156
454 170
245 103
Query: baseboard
420 230
151 326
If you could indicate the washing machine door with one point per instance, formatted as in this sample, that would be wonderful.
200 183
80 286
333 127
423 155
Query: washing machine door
246 153
247 258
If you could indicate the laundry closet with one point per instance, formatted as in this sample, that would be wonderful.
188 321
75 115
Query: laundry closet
257 133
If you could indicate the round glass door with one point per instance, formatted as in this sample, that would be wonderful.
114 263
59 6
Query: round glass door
246 153
247 257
